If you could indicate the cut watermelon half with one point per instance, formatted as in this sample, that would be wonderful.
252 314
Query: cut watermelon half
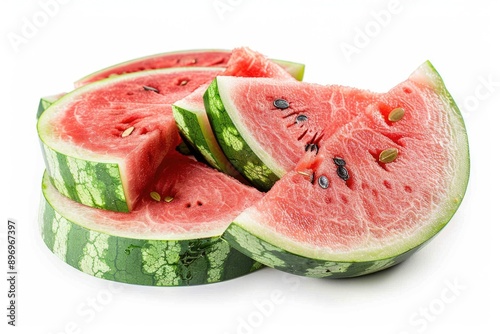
373 191
191 117
103 142
185 58
172 237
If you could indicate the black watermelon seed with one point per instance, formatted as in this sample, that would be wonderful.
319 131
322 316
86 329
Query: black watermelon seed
152 89
343 173
339 161
312 148
301 118
323 182
281 104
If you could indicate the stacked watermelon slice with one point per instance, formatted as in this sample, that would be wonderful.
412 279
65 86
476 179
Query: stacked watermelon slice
320 181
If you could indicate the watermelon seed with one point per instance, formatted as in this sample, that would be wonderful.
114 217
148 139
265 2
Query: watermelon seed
312 148
308 175
281 104
343 173
168 199
127 132
388 155
339 161
183 82
154 195
396 114
152 89
323 182
301 118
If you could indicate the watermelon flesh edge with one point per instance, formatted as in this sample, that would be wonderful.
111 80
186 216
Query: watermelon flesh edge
191 116
355 228
46 102
152 246
182 58
110 171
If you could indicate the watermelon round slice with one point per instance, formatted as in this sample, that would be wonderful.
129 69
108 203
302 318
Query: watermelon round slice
191 117
171 238
185 58
103 142
371 193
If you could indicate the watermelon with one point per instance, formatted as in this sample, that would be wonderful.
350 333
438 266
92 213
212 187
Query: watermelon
103 142
198 58
172 237
191 117
386 173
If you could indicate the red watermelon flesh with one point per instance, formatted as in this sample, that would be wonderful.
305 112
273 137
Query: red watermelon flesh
202 203
195 58
384 208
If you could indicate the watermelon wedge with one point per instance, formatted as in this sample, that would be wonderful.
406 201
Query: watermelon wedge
172 237
103 142
376 187
191 117
198 58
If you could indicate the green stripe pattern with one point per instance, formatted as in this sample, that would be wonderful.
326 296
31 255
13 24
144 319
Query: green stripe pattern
137 261
278 258
232 143
94 184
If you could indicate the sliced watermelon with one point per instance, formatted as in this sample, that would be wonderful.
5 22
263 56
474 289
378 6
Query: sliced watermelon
46 102
198 58
191 116
103 142
171 238
381 186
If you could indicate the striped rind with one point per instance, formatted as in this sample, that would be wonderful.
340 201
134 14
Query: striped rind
236 149
140 261
278 258
198 133
96 184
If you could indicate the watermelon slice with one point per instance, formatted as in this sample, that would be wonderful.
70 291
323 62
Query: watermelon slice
103 142
198 58
374 190
191 117
171 238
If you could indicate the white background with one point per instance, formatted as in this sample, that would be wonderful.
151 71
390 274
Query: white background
450 285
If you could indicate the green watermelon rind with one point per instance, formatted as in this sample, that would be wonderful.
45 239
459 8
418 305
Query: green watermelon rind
234 146
265 246
97 181
139 261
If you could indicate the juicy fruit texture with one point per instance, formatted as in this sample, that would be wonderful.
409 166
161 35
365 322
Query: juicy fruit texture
315 223
262 141
197 58
191 116
167 243
102 143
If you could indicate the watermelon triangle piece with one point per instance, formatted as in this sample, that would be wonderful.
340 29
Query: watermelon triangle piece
377 187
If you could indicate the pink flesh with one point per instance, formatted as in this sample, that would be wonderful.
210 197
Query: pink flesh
247 63
277 131
204 200
379 201
123 104
184 59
